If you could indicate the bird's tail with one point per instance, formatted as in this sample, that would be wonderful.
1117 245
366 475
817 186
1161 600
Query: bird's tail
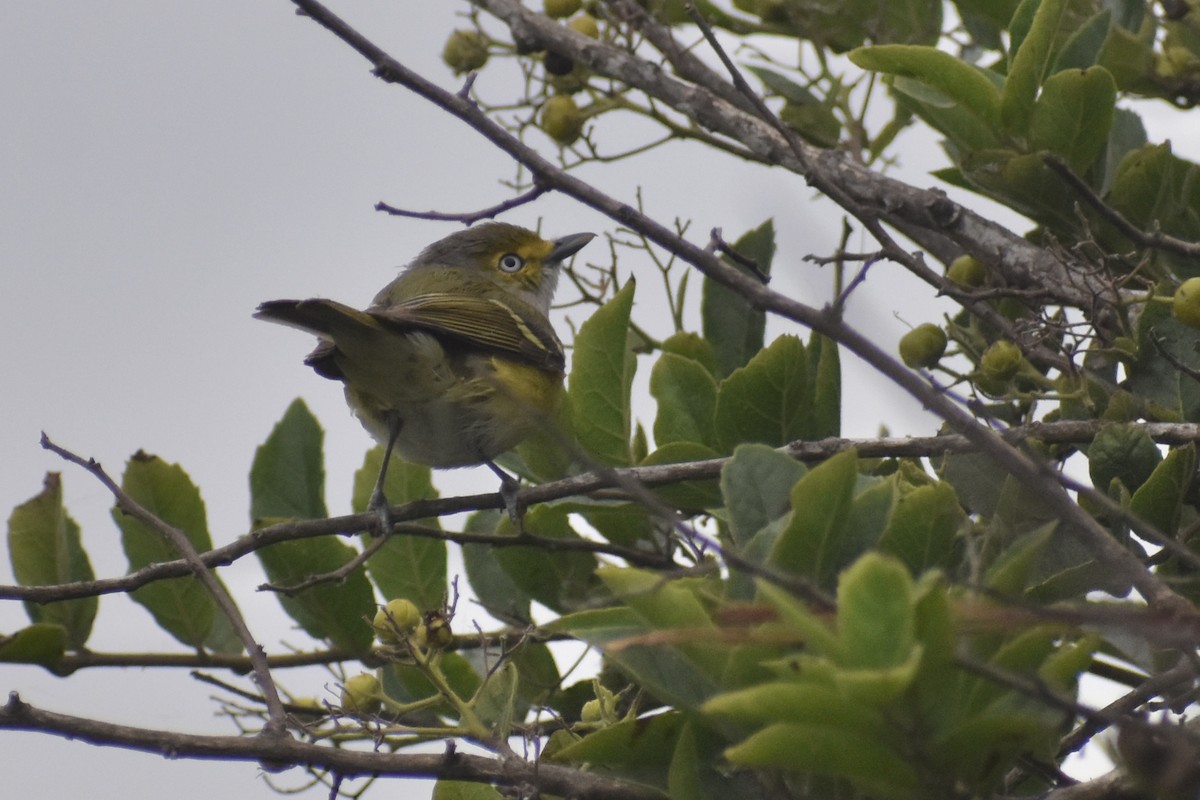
325 318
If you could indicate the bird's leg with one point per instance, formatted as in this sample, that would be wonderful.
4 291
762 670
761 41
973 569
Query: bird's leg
509 486
379 502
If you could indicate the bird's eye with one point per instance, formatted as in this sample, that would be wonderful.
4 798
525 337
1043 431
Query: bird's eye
511 262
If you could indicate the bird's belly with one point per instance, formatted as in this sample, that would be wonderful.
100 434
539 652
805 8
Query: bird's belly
473 413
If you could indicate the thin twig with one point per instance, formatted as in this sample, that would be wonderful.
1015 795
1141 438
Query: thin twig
1155 239
468 217
277 717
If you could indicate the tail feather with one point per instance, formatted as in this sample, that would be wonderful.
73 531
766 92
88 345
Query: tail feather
322 317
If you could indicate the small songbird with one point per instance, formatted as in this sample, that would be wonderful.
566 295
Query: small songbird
455 361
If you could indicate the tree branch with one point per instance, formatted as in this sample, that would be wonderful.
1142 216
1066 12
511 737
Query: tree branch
276 722
286 752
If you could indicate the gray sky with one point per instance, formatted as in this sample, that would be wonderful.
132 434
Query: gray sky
167 166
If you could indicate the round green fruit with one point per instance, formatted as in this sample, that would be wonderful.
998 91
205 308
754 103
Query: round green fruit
1001 361
362 695
558 9
465 50
585 24
967 271
923 346
561 119
396 621
1186 303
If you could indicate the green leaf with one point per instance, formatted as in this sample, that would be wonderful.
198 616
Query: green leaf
1082 48
412 567
635 749
1163 342
756 484
962 83
1073 116
560 580
406 683
44 548
1122 452
41 643
1030 65
690 774
784 86
804 702
1159 501
690 495
181 606
730 323
767 400
689 670
693 346
287 479
829 749
921 529
496 699
687 401
821 503
602 370
825 387
339 611
875 613
495 590
465 790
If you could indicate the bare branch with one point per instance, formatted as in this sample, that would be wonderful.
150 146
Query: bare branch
286 752
196 566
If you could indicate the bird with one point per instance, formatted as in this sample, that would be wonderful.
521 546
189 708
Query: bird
455 361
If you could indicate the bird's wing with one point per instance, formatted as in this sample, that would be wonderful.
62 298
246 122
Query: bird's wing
483 322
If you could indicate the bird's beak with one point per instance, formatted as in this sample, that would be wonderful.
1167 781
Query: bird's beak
568 246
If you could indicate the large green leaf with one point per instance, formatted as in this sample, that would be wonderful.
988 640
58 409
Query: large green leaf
833 749
1030 65
413 567
756 484
287 481
768 400
921 529
1073 116
41 643
959 82
602 368
825 388
561 580
45 549
821 503
730 323
496 591
1159 501
181 606
875 613
687 400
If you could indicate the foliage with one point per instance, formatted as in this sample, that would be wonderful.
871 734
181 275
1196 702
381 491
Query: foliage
881 624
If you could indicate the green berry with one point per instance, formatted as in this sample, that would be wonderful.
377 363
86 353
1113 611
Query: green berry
1001 361
1186 303
396 621
465 50
585 24
967 271
362 695
558 9
923 346
592 711
561 119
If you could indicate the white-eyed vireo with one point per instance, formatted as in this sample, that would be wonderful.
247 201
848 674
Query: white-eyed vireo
455 361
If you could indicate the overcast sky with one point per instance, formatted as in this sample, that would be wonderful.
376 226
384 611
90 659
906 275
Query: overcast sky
165 167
